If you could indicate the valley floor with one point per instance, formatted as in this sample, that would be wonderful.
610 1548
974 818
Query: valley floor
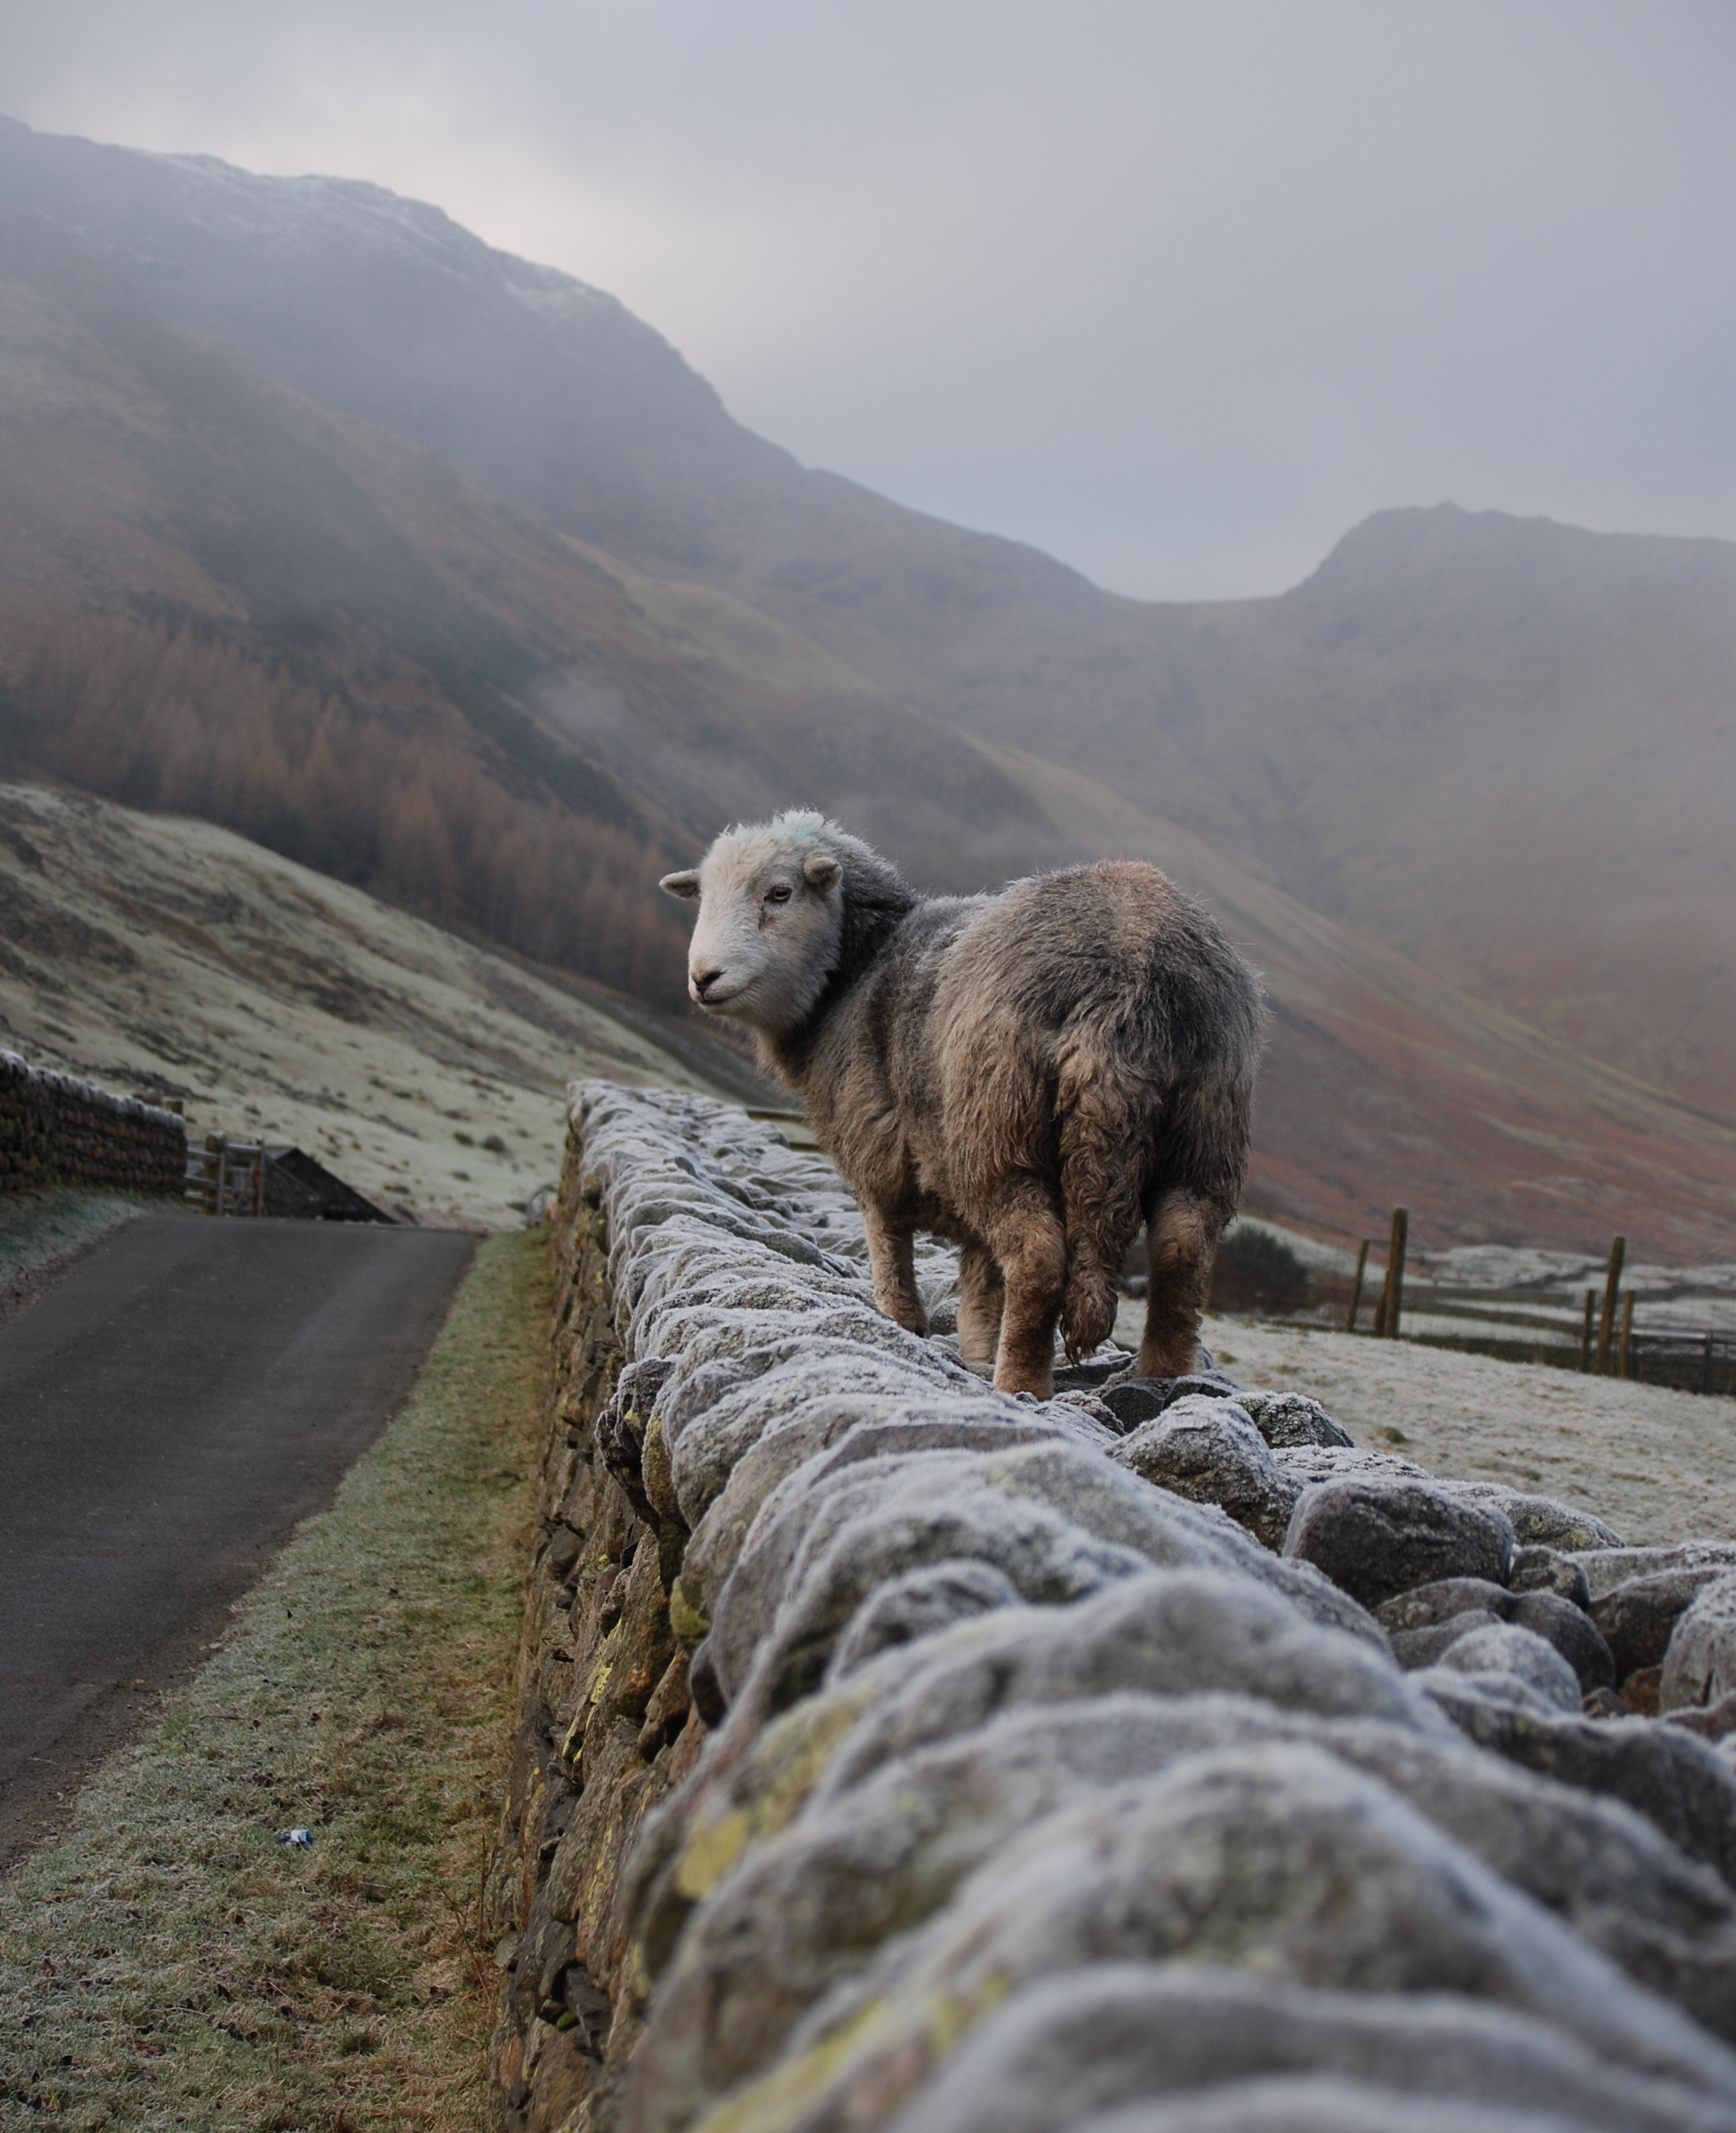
1657 1465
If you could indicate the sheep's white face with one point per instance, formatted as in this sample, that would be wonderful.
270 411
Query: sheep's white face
770 915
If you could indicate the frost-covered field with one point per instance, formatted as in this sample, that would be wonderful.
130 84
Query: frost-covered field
1667 1298
151 954
1658 1464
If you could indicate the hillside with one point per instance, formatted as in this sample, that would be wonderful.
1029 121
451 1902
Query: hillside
435 695
168 958
1382 1085
436 569
1505 748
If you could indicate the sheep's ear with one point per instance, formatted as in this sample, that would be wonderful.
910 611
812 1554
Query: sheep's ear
821 873
685 884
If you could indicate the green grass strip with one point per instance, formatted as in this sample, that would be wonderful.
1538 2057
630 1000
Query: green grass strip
167 1961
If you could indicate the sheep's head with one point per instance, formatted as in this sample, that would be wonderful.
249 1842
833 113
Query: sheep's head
771 918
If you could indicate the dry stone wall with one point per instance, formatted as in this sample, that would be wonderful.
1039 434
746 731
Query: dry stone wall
56 1130
896 1754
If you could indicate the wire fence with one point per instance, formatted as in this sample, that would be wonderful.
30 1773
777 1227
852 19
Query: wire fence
1642 1329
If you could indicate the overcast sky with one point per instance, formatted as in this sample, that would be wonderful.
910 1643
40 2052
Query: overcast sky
1179 293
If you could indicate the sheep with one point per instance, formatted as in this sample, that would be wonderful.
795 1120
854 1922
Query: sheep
1030 1075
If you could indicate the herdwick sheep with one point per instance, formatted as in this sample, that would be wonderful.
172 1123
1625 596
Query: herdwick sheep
1029 1074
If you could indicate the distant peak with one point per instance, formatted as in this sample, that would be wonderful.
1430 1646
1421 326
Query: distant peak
1504 555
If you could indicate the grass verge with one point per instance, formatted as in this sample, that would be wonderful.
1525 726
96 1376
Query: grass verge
43 1231
167 1962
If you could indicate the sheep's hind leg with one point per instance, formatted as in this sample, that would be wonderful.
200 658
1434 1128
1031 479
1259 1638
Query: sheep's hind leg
1029 1245
892 1260
982 1298
1184 1237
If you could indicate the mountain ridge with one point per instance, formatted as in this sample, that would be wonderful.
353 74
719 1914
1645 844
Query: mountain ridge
573 572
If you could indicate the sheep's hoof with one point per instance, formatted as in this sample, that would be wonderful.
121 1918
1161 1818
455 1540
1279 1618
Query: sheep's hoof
1087 1323
1176 1357
1039 1384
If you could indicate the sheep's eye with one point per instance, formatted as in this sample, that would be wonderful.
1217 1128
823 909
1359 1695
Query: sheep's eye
779 892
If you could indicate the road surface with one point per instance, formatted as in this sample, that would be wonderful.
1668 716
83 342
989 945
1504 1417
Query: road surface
169 1411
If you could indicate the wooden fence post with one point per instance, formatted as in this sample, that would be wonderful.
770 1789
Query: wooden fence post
1392 1298
1621 1365
1591 1312
1611 1286
209 1184
1356 1287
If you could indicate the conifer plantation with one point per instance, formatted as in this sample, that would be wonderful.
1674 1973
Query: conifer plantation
399 799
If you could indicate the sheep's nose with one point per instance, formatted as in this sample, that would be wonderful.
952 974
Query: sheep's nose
703 980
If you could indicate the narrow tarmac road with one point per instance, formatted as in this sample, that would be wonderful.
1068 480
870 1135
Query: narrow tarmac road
169 1411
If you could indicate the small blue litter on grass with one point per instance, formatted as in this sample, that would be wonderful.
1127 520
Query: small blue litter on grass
302 1839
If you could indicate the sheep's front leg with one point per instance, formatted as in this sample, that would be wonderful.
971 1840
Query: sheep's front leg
982 1297
892 1261
1029 1245
1184 1237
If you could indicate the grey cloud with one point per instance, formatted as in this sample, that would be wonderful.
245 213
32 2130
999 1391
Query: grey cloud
1179 293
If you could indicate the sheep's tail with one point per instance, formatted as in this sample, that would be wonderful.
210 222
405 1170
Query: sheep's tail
1132 1149
1108 1112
